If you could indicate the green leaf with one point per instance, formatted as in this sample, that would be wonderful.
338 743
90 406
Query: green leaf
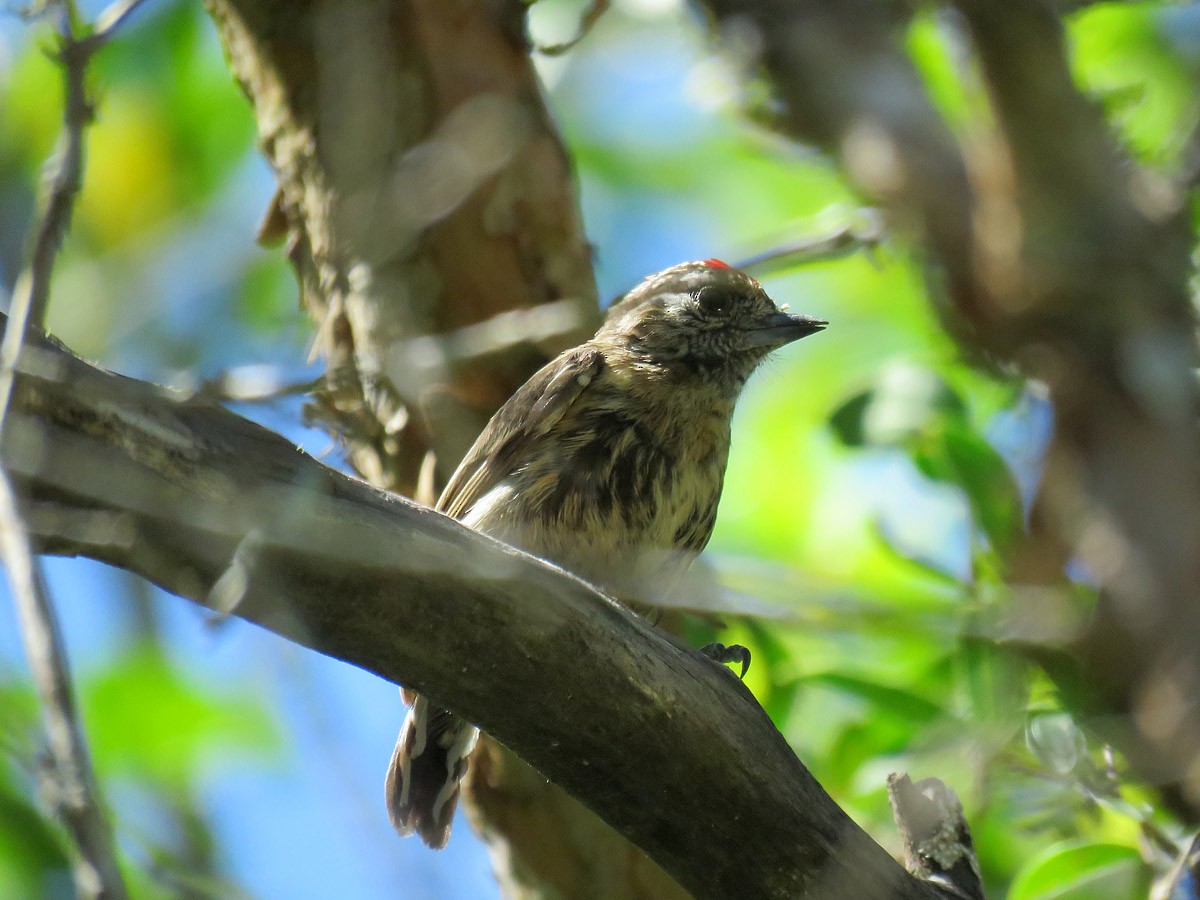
31 848
268 293
988 483
906 401
1133 58
905 704
934 56
889 720
997 682
847 420
147 719
18 710
1083 872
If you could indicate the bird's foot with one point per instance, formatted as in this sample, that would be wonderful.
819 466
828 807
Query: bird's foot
734 653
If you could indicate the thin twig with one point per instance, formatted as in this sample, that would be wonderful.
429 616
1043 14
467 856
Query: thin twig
253 384
107 23
842 242
1180 881
64 173
72 783
371 578
590 17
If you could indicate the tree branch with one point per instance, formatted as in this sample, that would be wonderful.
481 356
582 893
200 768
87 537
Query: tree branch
864 234
65 171
845 84
666 746
432 219
1064 258
1097 306
423 189
71 782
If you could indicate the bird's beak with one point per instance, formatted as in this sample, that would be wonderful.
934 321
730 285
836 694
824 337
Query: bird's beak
781 328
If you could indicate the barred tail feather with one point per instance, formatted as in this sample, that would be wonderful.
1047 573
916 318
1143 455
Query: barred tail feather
427 765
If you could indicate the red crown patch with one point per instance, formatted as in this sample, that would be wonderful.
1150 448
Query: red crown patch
716 263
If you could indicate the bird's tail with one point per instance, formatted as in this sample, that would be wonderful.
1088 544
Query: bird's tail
427 765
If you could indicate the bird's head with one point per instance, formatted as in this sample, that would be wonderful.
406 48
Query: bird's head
702 320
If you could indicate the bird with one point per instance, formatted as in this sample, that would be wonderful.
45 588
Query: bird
608 462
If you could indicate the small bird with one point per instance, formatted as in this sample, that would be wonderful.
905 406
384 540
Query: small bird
608 462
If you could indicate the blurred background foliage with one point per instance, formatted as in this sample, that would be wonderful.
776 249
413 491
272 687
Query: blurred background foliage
875 476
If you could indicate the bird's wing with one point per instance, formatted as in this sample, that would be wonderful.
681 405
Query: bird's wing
528 415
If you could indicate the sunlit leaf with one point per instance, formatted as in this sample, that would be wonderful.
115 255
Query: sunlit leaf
987 481
894 701
888 721
996 681
905 402
934 56
1134 58
31 103
148 719
1083 872
907 399
268 295
18 709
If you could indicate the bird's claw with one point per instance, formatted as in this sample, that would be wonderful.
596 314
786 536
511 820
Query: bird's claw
734 653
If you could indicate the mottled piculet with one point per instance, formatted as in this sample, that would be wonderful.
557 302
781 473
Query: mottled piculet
609 462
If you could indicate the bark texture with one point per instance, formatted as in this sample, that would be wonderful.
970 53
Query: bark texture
424 193
667 746
422 189
1050 251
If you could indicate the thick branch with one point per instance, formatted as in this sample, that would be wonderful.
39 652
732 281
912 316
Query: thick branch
423 188
666 746
1062 257
1099 309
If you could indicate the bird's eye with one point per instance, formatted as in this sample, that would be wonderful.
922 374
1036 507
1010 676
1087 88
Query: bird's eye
715 300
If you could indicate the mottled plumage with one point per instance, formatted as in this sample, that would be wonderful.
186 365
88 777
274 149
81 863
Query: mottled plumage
609 462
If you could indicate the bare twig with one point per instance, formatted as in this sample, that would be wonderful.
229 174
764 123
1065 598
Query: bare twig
72 784
842 242
1183 877
591 16
107 23
65 177
612 710
71 781
548 323
249 384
